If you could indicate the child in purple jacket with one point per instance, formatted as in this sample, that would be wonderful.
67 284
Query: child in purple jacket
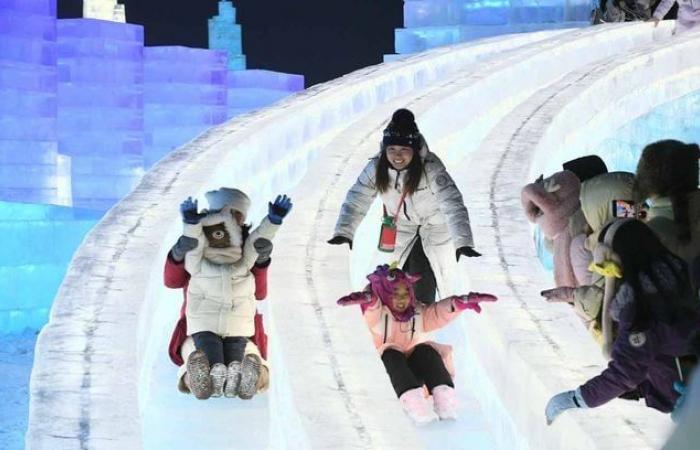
648 296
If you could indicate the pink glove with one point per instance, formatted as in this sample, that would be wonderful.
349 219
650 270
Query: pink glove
471 301
357 298
560 294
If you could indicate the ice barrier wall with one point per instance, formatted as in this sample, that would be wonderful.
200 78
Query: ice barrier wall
432 23
530 350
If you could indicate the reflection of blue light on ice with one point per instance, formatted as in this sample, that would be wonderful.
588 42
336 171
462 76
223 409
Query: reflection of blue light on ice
100 108
185 92
433 23
253 89
28 150
38 243
672 120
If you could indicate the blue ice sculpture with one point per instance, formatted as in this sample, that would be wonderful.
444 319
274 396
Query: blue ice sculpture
184 94
225 35
100 108
253 89
28 145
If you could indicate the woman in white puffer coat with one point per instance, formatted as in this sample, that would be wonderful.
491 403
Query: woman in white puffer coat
419 196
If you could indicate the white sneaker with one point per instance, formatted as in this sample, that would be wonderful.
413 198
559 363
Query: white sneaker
417 407
233 379
445 402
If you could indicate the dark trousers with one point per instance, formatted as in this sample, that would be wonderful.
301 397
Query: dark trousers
218 349
417 263
424 366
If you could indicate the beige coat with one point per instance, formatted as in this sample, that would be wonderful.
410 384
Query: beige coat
221 297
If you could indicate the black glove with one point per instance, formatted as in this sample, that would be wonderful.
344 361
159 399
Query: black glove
467 251
183 245
339 240
264 248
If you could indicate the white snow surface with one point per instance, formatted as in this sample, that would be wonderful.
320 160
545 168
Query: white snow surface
497 111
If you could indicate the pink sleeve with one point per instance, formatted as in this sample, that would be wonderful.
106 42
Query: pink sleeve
372 312
438 314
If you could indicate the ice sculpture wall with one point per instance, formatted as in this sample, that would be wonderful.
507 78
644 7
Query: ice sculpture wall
253 89
433 23
100 108
225 35
38 243
185 92
28 146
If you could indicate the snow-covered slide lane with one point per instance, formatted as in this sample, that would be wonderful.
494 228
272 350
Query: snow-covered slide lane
107 338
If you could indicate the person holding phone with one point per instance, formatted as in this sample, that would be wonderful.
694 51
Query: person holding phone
426 225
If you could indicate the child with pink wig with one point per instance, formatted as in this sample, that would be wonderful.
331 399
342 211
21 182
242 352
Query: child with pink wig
401 329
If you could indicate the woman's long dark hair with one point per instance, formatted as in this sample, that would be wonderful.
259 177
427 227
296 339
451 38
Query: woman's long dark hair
642 255
414 169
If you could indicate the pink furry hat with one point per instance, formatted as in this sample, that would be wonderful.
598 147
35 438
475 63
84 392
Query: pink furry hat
549 203
383 282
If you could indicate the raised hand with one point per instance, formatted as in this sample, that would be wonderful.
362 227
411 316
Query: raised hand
560 294
357 298
188 210
472 300
339 240
278 210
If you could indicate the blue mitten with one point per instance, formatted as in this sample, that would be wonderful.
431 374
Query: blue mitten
188 209
563 401
278 210
681 388
183 245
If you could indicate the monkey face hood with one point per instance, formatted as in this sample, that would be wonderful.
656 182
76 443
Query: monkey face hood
224 237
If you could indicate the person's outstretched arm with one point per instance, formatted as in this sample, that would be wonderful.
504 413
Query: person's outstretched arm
357 202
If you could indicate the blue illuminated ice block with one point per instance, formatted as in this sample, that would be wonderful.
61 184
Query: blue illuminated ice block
184 94
28 146
253 89
225 35
433 23
100 108
38 243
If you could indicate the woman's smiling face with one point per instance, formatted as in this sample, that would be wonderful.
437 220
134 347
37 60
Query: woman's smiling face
399 156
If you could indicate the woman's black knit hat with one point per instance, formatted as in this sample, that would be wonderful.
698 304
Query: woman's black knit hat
402 130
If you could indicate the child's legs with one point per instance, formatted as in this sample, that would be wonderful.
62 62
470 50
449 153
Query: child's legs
234 348
401 376
427 364
211 344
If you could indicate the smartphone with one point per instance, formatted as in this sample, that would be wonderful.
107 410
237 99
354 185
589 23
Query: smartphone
624 209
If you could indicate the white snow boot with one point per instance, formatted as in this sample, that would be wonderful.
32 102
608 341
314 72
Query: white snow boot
417 406
218 377
250 372
233 379
445 402
198 375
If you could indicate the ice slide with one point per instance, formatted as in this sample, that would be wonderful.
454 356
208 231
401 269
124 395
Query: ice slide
497 111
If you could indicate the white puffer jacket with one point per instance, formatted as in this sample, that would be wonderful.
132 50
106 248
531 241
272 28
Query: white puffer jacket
435 211
221 297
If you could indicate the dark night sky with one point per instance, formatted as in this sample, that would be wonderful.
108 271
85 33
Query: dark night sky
321 39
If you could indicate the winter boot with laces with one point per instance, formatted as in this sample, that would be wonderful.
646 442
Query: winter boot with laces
198 375
417 407
233 379
250 372
218 377
445 402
